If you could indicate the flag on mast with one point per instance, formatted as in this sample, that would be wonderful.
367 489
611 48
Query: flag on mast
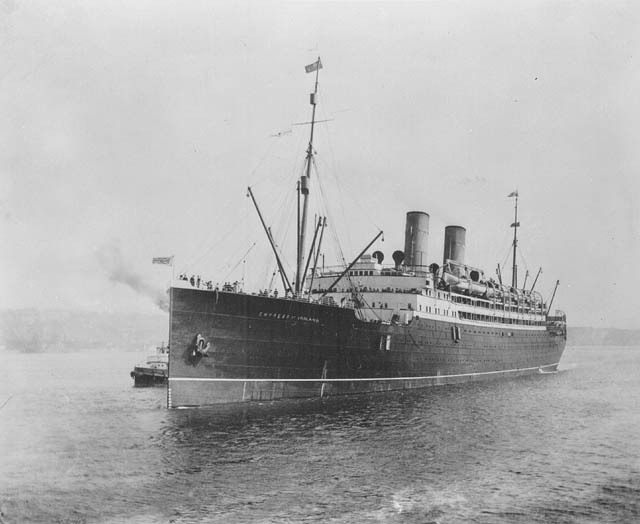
514 194
313 67
167 261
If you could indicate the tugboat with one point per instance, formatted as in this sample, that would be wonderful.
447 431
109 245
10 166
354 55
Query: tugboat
155 371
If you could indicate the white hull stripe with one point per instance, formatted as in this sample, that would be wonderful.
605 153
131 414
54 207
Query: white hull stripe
195 379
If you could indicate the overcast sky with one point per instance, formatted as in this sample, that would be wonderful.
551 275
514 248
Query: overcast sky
130 130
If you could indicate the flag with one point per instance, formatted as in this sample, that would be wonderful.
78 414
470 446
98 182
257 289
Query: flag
167 261
313 67
514 194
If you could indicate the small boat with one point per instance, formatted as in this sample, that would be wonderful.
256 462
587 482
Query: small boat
155 371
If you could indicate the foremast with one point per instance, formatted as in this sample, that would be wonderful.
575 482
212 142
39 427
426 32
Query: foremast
303 185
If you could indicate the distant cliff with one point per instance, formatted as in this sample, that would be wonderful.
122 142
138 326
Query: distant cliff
586 336
33 330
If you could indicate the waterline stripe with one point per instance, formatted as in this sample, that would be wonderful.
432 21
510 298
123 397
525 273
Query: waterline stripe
197 379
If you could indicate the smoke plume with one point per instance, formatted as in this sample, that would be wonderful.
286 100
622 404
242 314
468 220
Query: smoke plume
118 270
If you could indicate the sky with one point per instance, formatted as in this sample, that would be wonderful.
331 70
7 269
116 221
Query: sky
131 130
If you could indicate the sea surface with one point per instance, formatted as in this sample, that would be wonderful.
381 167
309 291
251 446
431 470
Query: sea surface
79 444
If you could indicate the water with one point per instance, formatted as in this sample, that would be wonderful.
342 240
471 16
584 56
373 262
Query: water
79 445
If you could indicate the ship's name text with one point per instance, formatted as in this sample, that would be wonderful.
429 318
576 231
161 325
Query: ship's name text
286 316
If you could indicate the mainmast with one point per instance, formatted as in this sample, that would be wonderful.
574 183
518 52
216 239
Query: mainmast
515 226
304 180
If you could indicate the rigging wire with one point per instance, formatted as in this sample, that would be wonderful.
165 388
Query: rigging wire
340 191
231 204
526 267
508 255
242 259
286 206
196 258
250 181
287 210
329 214
273 191
336 175
213 240
230 258
504 261
333 232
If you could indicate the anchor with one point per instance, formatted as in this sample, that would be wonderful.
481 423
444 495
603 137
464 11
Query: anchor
199 348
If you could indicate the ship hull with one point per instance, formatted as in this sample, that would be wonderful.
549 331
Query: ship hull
233 347
144 377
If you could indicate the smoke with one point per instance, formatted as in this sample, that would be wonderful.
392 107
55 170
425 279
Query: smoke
118 270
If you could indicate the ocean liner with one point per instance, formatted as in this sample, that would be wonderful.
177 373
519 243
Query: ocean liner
363 327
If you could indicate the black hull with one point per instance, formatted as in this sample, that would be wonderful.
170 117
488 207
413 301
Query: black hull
262 348
148 377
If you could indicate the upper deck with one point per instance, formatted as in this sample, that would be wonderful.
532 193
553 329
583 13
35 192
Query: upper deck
393 295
